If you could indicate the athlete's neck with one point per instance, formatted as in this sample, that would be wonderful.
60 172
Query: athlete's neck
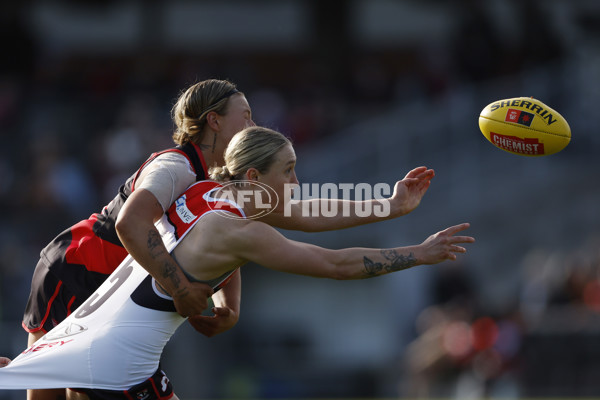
213 154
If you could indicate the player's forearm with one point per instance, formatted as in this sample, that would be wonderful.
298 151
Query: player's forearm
145 245
141 239
230 295
362 263
441 246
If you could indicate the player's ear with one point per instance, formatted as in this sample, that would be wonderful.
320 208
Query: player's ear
252 174
212 120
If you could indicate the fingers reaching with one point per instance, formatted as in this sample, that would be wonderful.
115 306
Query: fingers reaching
415 172
445 246
458 249
456 228
420 173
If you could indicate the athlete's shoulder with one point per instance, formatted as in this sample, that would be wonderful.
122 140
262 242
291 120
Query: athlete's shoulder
248 232
173 154
172 159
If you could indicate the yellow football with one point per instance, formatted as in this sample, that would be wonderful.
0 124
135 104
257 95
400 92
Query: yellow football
524 126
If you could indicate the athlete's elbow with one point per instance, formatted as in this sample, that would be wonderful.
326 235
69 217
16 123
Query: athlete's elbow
341 273
124 225
334 262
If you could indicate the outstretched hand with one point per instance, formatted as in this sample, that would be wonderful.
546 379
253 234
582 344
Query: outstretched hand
444 245
222 320
409 191
192 298
4 361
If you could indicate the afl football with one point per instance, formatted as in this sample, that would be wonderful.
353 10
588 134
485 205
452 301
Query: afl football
524 126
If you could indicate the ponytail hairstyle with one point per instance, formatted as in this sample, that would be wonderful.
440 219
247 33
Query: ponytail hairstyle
253 147
193 105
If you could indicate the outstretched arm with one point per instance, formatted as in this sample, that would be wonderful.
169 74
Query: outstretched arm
306 215
265 246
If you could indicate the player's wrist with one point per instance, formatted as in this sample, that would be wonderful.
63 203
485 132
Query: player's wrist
176 284
397 208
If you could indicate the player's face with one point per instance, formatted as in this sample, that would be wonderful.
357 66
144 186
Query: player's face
237 118
282 172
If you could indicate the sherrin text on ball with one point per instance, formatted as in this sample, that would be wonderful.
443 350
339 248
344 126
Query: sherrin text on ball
524 126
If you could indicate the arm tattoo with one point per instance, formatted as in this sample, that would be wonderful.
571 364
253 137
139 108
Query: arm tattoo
154 243
395 262
169 270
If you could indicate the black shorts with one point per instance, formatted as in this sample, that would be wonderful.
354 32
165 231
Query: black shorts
50 301
157 387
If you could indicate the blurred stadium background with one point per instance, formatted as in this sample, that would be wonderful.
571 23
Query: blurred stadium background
367 89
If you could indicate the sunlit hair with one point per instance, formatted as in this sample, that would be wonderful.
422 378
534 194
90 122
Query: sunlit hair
193 105
254 147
